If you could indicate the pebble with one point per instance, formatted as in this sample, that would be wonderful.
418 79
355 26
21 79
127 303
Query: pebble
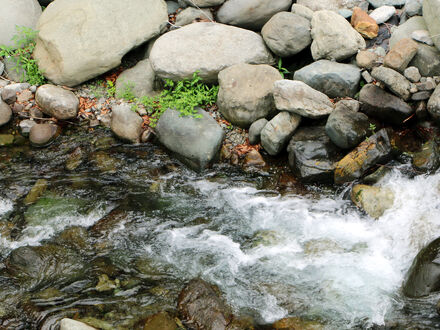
383 14
412 74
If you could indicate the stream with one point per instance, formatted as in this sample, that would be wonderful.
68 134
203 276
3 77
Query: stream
130 226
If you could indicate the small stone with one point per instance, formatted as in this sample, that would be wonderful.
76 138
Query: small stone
412 74
420 96
346 13
366 59
25 126
367 77
41 135
191 14
383 14
25 96
426 84
17 107
33 88
422 36
364 24
2 68
380 51
254 159
422 111
6 140
413 7
401 54
147 135
413 88
255 130
434 104
57 102
9 92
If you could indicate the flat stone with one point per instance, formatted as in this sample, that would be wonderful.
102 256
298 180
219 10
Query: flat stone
420 96
297 97
378 103
278 36
278 131
333 5
245 92
57 102
422 36
426 85
207 48
367 77
255 130
401 54
364 24
126 124
254 159
333 37
383 14
396 82
331 78
204 3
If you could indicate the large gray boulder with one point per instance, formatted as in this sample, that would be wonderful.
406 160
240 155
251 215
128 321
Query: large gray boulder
250 14
105 30
331 78
57 102
245 92
139 79
5 113
287 34
424 275
126 124
312 156
346 126
196 141
297 97
431 14
207 48
278 131
17 13
333 37
378 103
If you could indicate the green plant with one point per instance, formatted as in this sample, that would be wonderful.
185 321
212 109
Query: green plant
21 54
111 88
372 128
127 93
283 71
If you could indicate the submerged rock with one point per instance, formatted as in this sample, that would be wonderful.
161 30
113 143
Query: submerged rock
373 200
196 141
207 48
293 323
106 31
376 149
200 307
424 275
36 192
428 159
160 321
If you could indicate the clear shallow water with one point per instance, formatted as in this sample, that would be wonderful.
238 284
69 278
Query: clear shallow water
273 255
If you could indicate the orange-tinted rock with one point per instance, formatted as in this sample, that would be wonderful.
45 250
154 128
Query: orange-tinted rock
254 158
160 321
364 24
295 323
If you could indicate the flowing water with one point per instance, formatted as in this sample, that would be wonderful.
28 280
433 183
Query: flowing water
152 225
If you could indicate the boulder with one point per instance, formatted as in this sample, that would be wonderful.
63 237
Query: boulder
434 104
57 102
196 141
207 48
331 78
255 130
69 324
17 13
427 159
373 200
346 126
395 82
201 307
333 37
190 14
245 92
376 149
41 135
287 34
423 277
250 14
5 113
431 14
364 24
302 11
378 103
383 14
105 31
126 124
204 3
401 54
139 79
380 3
312 156
297 97
278 131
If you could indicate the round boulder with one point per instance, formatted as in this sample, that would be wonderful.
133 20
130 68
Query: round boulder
57 102
41 135
287 34
245 92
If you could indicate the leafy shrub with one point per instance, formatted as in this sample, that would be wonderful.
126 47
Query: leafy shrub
21 54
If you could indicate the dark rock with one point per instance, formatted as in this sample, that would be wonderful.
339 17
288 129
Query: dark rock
312 156
200 307
345 126
424 275
376 149
254 158
9 92
378 103
428 159
255 130
196 141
